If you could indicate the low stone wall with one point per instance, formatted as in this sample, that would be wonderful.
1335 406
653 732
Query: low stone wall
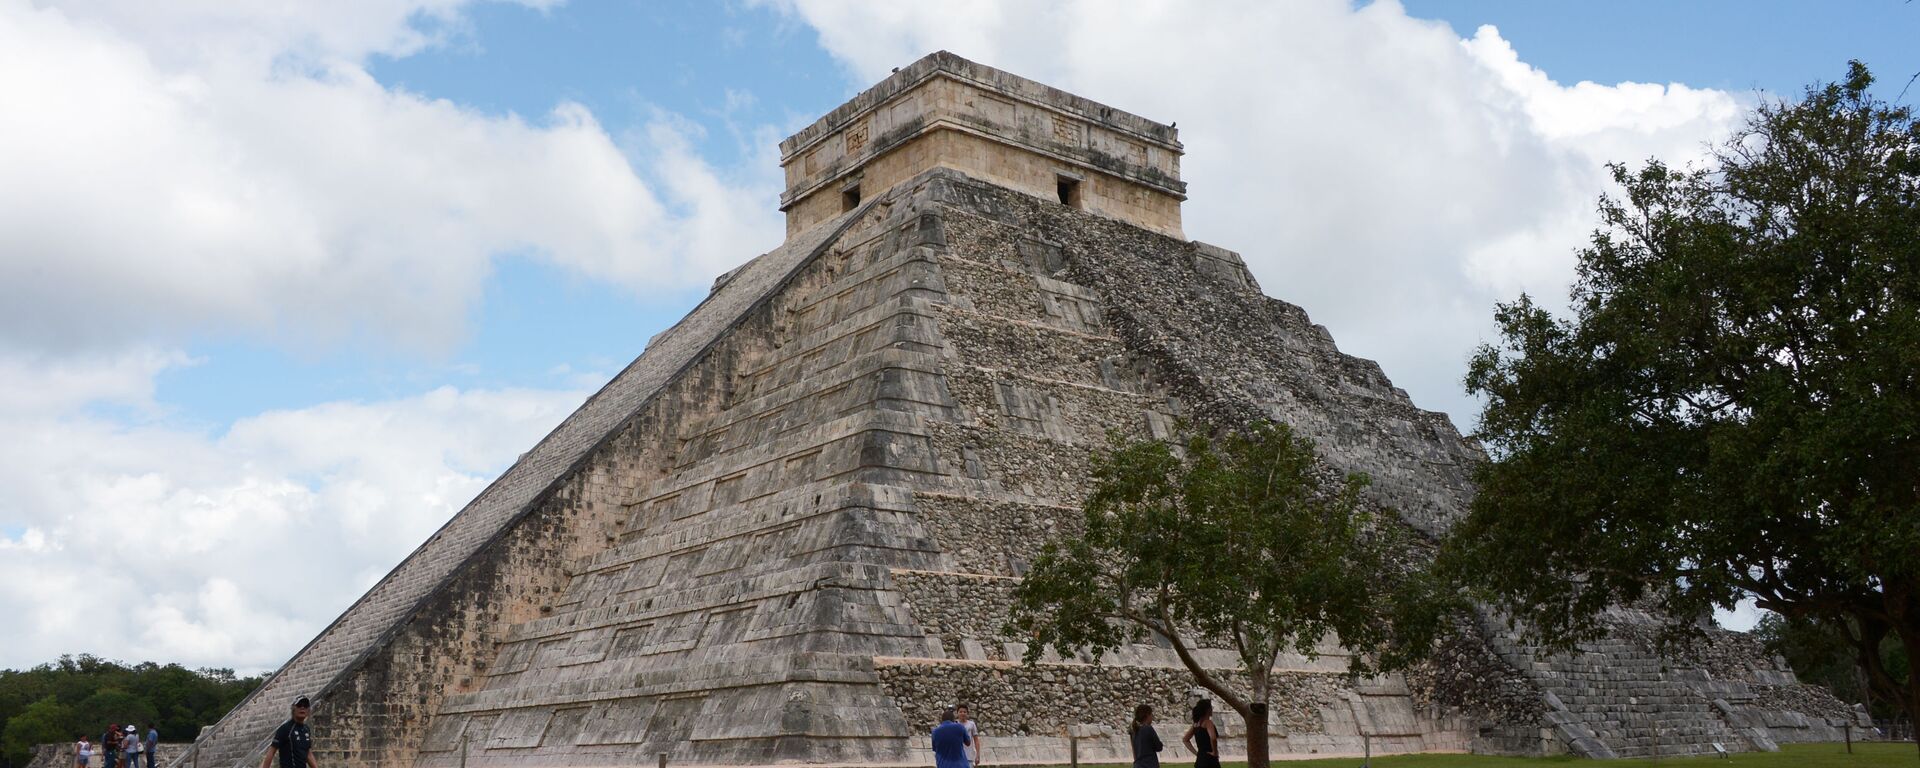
61 755
1048 699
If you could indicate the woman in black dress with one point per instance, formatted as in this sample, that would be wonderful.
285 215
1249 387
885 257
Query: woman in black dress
1146 742
1207 753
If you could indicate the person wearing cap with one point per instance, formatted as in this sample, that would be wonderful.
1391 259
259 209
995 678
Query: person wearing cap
110 747
292 742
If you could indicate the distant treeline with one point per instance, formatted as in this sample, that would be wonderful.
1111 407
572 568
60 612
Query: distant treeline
77 695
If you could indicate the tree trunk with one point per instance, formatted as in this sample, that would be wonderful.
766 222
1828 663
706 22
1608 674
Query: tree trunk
1913 687
1909 693
1257 735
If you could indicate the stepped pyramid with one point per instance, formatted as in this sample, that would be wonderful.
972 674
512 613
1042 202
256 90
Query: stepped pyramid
788 531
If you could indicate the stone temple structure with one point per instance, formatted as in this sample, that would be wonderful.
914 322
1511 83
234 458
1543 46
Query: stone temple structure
787 532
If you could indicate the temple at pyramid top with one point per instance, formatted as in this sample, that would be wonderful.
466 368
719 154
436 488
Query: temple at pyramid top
946 111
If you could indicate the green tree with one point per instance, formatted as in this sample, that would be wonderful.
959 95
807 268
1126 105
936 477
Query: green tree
43 722
1732 408
1821 654
1232 543
95 691
112 705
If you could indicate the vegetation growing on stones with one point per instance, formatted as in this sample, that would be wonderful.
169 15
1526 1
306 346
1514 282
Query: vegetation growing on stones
1733 408
54 703
1234 542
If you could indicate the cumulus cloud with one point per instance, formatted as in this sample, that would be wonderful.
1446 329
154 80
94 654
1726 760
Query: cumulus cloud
1392 177
178 171
233 169
229 549
173 170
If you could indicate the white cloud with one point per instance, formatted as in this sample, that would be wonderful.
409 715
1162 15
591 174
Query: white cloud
232 549
231 168
177 171
1742 618
1393 178
169 170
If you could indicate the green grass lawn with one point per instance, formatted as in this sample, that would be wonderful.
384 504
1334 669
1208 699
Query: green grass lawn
1865 755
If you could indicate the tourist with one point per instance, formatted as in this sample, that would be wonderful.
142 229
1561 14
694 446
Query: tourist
110 747
949 742
83 752
1207 754
1146 741
292 742
152 744
130 747
965 719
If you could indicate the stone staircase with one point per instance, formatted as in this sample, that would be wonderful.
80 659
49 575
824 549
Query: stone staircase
1616 698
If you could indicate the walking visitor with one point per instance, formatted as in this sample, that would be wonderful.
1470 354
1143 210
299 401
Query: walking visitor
1146 741
1207 753
292 741
965 718
130 747
82 752
949 742
153 743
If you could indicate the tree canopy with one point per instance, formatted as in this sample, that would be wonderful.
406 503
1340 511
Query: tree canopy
1732 408
59 701
1821 654
1233 543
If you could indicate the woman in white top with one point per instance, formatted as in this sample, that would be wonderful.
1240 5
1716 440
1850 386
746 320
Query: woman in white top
82 753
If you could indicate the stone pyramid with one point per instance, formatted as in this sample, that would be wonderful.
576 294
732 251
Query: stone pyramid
788 531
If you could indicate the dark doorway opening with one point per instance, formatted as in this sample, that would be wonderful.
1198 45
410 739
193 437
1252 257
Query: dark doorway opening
1069 190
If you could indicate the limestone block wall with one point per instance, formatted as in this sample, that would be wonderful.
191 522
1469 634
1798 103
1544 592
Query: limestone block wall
60 755
1040 379
945 111
442 658
374 624
734 614
943 146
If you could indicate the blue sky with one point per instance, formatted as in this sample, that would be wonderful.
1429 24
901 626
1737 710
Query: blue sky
628 61
272 273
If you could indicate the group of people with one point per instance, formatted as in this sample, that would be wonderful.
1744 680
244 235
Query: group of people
1202 737
119 748
956 740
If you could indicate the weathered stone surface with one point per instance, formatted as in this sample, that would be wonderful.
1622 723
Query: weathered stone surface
946 111
788 532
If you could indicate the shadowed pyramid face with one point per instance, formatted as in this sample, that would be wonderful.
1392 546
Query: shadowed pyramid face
789 531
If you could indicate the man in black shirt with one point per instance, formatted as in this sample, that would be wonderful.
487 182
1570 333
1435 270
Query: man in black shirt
292 742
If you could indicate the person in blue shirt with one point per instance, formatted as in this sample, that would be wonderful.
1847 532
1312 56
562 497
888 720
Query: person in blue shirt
152 744
950 742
